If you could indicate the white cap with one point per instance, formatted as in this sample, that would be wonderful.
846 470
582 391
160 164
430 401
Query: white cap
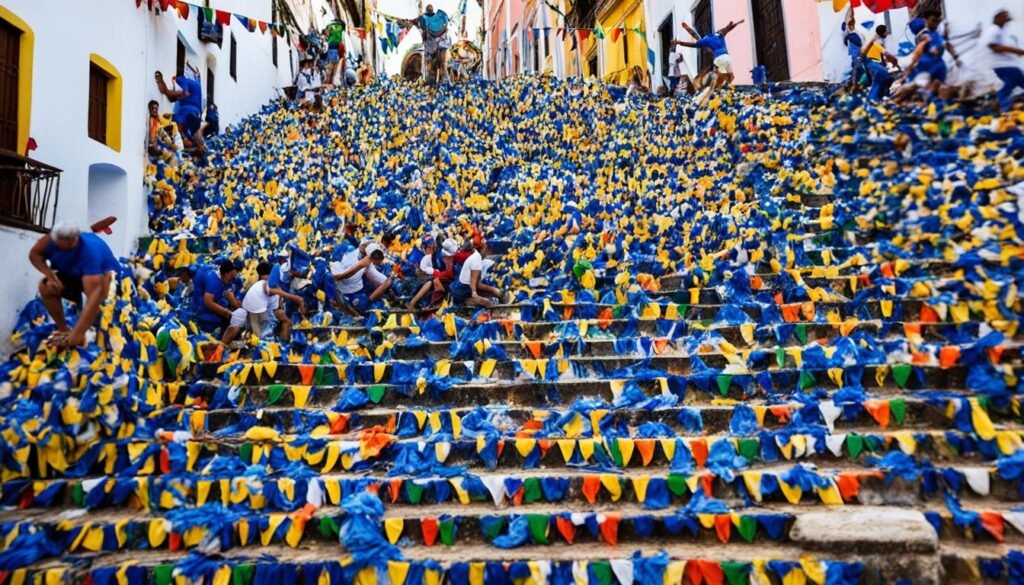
449 247
373 248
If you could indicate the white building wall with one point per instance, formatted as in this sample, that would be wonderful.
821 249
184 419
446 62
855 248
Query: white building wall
137 42
657 12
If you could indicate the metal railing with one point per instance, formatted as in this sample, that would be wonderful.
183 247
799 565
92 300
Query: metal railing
29 191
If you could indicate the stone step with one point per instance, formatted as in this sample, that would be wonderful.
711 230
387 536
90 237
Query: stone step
896 309
282 564
702 418
593 330
842 480
547 525
508 385
380 450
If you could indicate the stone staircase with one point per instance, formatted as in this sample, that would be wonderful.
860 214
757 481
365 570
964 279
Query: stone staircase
827 419
579 440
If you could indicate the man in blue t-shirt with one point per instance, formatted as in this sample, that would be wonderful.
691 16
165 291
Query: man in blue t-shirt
213 297
72 264
927 69
188 114
715 42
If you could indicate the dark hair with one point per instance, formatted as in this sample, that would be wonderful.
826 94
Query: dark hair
882 30
227 267
185 270
931 12
377 255
263 268
153 103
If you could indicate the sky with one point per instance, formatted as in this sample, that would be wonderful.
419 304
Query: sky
409 8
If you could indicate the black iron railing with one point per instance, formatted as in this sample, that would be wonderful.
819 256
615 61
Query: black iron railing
28 192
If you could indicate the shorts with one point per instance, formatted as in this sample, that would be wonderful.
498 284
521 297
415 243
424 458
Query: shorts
189 123
461 292
73 288
432 46
333 56
723 63
923 75
212 325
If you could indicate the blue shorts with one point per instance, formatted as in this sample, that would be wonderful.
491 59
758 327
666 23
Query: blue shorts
935 68
333 56
461 292
189 122
211 325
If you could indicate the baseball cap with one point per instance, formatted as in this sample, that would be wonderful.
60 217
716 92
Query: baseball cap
449 247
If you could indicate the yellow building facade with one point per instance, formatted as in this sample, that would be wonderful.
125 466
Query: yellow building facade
629 48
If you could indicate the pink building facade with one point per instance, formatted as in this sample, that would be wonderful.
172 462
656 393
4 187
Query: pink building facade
503 29
783 35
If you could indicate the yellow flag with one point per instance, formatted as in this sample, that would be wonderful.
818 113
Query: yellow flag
393 528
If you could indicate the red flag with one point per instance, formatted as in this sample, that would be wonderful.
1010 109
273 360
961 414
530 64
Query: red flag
879 6
164 4
263 27
223 18
361 33
182 10
616 33
584 33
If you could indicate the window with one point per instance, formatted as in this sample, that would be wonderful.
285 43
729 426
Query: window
592 66
273 36
98 81
702 23
28 188
535 49
209 31
210 85
10 57
179 63
233 64
105 87
665 42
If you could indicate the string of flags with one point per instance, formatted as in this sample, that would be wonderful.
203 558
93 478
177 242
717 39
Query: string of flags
212 15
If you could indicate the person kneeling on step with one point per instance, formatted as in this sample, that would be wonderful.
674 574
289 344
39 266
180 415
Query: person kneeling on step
258 305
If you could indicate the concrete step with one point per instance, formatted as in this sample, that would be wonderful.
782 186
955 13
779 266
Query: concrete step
549 525
920 413
843 479
286 565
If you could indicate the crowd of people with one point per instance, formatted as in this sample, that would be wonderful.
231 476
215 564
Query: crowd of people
190 124
326 214
874 67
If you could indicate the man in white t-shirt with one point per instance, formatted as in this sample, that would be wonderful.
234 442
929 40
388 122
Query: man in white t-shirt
359 282
1004 59
469 288
257 306
679 76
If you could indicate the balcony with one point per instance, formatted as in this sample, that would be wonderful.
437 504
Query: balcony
28 192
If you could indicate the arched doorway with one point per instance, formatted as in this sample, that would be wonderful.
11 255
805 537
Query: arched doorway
108 195
412 65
